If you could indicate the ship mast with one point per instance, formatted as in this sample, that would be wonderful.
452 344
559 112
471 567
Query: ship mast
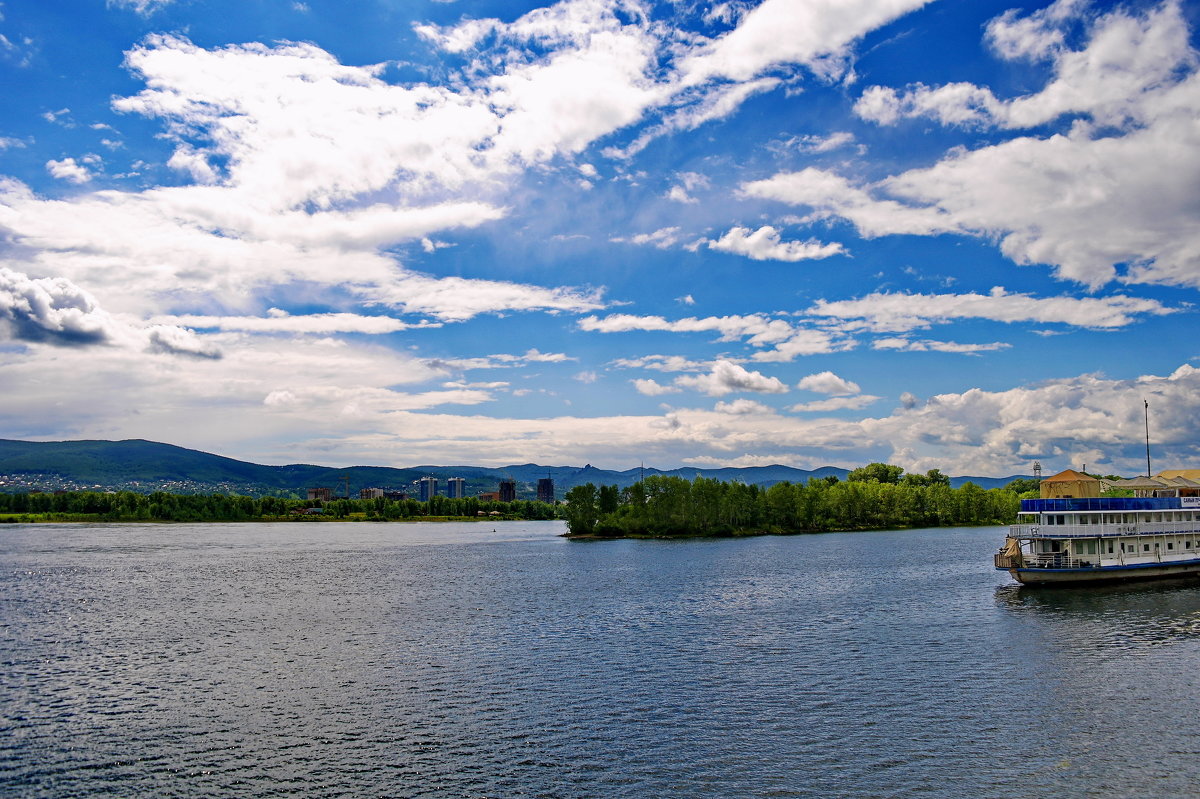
1147 409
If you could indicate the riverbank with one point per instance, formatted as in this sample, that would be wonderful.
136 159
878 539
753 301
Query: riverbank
754 532
309 518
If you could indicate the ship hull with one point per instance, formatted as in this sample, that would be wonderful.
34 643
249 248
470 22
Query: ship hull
1106 574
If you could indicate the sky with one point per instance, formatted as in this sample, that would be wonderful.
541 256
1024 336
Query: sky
954 234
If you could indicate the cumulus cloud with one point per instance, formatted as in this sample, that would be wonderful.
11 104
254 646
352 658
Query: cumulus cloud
652 388
831 195
741 407
178 341
1111 198
815 34
52 310
727 377
765 244
58 312
828 383
69 169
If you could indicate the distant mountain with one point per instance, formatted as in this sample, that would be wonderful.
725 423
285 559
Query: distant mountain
145 466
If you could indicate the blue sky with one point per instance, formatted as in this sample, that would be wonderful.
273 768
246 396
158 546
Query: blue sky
951 234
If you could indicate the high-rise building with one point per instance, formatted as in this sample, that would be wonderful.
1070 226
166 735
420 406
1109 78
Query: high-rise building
508 490
324 494
370 493
428 488
456 488
545 490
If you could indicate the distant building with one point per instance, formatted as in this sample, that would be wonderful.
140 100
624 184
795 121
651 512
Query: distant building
508 490
429 486
545 490
489 496
323 494
456 488
395 495
370 493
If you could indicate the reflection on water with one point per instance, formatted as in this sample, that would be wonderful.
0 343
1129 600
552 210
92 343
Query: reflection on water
457 660
1125 615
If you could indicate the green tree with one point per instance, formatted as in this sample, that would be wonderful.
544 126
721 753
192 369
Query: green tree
876 472
580 509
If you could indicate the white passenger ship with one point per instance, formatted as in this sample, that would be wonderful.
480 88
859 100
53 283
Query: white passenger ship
1074 535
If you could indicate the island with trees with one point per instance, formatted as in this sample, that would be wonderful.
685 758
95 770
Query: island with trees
130 506
874 497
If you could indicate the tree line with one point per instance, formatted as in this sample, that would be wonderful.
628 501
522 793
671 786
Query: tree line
665 506
163 506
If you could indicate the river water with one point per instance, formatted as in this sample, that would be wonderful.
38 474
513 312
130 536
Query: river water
397 660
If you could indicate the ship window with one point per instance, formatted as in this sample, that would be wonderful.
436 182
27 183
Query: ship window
1145 547
1170 545
1062 519
1110 548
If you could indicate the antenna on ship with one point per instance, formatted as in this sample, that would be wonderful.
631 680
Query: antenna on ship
1147 409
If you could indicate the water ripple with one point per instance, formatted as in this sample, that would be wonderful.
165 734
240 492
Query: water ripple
444 660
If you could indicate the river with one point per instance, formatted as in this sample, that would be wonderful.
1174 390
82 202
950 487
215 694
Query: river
458 660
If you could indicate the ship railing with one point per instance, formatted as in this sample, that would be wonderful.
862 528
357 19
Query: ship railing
1057 560
1100 530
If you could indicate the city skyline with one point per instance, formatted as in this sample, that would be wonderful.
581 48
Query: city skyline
935 233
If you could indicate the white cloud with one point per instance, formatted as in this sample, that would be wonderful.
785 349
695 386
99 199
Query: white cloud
741 407
758 328
785 340
663 238
727 377
652 388
831 195
680 195
1127 66
171 340
825 144
835 404
828 383
1036 36
816 34
894 312
1111 199
499 360
663 363
903 344
69 169
143 7
55 311
282 322
765 244
186 159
